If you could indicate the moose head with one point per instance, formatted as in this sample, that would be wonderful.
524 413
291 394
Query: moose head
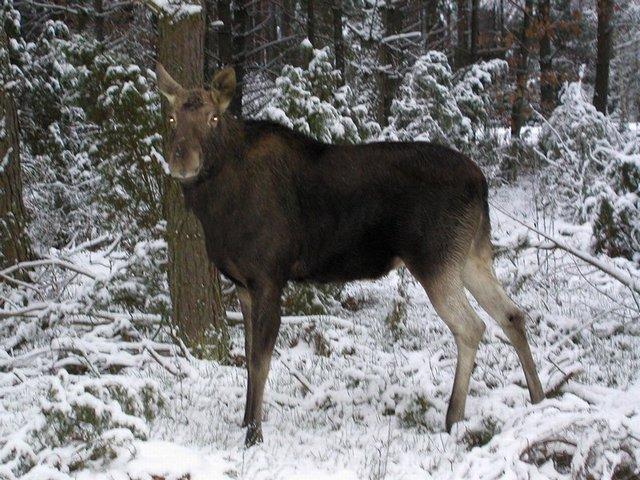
194 115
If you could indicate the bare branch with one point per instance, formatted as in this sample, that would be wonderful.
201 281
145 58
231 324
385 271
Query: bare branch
610 270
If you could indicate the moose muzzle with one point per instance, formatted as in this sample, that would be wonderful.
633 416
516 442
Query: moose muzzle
185 162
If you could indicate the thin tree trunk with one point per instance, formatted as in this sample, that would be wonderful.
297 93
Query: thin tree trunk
388 76
240 29
430 9
193 281
272 25
98 9
311 22
517 111
286 29
474 30
210 43
547 76
502 22
601 92
462 23
338 40
14 243
225 33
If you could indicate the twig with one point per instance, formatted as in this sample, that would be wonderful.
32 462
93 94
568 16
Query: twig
235 318
169 368
296 374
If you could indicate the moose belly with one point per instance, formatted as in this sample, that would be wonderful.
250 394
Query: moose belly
357 264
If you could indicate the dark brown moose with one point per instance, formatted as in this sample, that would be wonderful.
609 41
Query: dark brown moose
276 205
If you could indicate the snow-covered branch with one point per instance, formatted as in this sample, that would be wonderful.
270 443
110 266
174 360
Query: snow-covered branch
627 280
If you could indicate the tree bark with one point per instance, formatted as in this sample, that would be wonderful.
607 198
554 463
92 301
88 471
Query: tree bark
311 22
475 32
430 12
338 40
547 76
601 92
286 28
14 243
210 43
462 23
240 29
387 75
272 32
98 9
502 30
225 34
193 281
517 110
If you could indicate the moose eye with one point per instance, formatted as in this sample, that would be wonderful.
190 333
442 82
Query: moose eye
213 119
172 119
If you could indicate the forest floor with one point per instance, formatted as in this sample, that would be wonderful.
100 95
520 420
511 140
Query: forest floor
378 373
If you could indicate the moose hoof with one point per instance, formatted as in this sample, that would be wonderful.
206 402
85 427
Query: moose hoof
254 436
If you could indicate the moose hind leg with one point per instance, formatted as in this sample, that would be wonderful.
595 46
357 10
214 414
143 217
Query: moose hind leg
449 299
480 280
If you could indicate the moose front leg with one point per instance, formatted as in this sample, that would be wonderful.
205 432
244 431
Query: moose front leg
265 324
245 306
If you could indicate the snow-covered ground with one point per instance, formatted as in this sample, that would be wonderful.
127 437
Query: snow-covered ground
378 375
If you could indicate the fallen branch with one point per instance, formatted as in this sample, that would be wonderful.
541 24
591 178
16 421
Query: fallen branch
610 270
49 261
235 318
296 374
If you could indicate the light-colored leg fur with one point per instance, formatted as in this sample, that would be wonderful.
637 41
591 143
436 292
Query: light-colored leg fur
480 279
446 292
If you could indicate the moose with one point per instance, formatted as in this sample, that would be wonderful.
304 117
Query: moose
277 206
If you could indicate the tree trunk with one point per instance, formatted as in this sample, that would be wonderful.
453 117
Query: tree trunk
240 29
98 9
286 29
601 92
193 281
517 111
502 32
272 33
430 12
547 76
210 43
225 34
462 45
311 22
14 244
474 30
387 75
338 40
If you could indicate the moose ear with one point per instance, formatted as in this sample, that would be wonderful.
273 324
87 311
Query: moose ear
224 84
167 85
